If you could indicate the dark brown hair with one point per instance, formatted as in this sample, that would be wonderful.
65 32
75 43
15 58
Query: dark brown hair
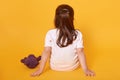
64 17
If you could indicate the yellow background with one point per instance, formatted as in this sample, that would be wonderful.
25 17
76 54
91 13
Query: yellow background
24 23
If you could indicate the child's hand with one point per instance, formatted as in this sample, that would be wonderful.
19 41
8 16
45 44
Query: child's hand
89 73
37 73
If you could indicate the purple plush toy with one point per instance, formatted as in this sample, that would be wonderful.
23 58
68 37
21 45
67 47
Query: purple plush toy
31 61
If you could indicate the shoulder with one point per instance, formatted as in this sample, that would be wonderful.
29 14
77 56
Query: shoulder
79 33
51 32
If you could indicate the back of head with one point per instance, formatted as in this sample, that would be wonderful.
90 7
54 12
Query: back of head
64 17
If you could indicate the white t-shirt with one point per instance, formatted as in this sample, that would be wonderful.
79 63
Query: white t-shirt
65 58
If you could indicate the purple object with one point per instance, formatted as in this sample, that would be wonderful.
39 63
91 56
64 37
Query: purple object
31 61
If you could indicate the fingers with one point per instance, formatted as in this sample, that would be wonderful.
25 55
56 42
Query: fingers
35 74
90 73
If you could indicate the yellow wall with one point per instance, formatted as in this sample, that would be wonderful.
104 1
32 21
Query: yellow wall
24 23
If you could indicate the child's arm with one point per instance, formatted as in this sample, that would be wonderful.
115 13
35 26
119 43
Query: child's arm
83 63
45 54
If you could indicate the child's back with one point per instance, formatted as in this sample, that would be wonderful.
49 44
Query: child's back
65 58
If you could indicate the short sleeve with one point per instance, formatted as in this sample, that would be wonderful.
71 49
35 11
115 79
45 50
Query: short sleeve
48 40
79 43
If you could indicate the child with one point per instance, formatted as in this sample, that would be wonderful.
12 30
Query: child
64 44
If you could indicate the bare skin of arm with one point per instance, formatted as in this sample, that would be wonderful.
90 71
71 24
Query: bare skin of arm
83 63
45 55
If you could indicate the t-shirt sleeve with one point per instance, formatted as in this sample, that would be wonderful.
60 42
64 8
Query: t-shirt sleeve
79 40
48 40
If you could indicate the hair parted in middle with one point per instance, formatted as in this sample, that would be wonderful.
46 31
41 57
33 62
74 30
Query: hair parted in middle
63 21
